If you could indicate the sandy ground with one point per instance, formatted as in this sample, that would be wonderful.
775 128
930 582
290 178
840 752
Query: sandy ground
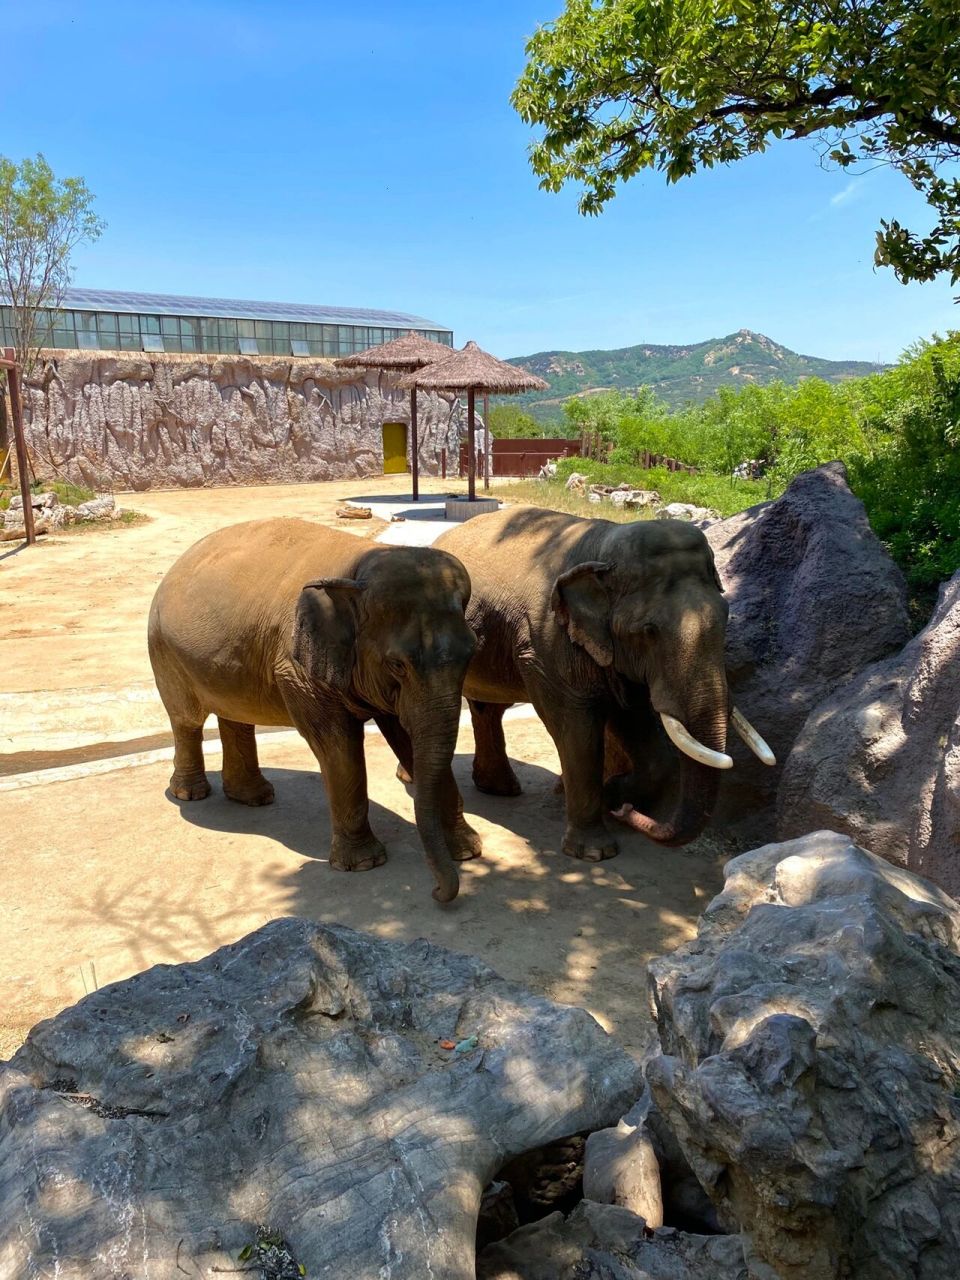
104 874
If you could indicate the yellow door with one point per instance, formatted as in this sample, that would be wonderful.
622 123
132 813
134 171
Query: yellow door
394 448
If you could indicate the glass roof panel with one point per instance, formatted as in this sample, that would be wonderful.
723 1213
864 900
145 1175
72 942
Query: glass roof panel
177 305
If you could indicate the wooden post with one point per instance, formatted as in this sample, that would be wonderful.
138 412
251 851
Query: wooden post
16 413
414 446
471 433
486 442
443 464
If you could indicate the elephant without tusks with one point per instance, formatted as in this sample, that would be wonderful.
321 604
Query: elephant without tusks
284 622
615 633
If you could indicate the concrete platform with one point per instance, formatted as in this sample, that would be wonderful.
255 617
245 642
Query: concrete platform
423 521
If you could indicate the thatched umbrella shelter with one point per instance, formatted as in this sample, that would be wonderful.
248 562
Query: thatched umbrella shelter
412 351
472 370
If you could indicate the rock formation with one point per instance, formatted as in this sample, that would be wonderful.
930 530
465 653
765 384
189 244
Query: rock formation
49 513
811 1067
880 758
814 598
609 1243
622 1166
287 1099
114 421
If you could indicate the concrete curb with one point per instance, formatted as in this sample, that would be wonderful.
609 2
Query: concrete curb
212 747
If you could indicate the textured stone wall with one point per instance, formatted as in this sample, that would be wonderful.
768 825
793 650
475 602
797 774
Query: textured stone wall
132 421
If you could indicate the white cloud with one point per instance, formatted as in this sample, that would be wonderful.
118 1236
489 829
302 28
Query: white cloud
849 192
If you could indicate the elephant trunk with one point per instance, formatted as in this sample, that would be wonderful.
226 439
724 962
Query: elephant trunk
433 732
699 783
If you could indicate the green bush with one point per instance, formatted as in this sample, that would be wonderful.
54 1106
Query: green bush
509 422
910 480
722 493
69 494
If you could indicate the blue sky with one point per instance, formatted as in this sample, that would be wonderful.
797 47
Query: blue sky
368 156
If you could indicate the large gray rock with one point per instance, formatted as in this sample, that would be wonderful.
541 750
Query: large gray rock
292 1081
814 598
880 758
104 508
610 1243
621 1166
38 501
811 1066
687 511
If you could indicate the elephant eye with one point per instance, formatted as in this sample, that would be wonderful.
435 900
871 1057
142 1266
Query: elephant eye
396 666
650 630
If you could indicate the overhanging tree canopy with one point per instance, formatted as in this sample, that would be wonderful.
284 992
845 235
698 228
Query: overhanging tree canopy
676 85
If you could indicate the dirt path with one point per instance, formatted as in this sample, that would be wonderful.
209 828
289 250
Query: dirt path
104 875
73 612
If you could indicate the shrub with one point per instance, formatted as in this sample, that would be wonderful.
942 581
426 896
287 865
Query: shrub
910 480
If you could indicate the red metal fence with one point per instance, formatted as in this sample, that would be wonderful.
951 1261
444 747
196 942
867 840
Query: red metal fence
523 457
526 457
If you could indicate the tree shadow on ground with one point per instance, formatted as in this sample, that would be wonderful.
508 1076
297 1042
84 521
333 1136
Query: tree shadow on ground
202 874
578 932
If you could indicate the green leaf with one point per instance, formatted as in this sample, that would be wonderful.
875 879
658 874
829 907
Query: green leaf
621 85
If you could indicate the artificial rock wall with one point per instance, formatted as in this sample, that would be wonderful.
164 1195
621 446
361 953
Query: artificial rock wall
138 421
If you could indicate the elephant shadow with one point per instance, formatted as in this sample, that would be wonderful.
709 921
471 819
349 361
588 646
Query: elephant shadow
299 818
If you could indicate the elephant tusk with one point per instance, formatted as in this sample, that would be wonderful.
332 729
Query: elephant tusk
750 736
687 743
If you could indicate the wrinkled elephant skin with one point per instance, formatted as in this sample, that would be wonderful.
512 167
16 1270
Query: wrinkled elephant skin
284 622
611 631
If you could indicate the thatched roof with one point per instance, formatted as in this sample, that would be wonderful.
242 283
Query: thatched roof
409 352
472 368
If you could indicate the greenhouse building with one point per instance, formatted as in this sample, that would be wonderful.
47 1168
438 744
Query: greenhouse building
99 320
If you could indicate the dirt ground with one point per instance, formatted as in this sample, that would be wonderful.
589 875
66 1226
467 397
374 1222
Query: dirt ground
104 874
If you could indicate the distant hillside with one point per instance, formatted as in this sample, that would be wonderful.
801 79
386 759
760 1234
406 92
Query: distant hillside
676 374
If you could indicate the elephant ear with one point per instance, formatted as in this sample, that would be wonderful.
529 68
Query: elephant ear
581 606
325 630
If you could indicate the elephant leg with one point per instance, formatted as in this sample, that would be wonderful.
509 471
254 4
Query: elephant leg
640 766
339 751
399 741
242 779
616 758
189 778
578 733
492 771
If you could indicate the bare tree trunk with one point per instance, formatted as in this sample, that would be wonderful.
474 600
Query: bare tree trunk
4 421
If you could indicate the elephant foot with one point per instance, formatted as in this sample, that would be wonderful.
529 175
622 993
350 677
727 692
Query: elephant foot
357 855
499 781
253 791
193 787
404 775
463 843
590 844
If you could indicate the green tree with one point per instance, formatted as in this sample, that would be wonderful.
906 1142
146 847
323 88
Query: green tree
601 412
509 422
42 220
678 85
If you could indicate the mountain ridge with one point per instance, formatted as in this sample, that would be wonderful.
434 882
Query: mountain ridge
677 372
